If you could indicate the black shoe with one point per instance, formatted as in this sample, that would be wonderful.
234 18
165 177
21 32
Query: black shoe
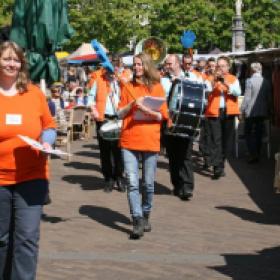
121 185
147 224
109 186
218 173
138 228
185 195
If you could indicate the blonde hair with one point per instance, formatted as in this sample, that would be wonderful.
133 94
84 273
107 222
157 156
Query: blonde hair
22 79
151 75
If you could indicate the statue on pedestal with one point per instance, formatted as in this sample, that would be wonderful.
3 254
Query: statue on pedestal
238 7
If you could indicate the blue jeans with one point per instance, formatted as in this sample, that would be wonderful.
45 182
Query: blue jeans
131 166
20 214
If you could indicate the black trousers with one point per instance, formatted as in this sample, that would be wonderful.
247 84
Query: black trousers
204 141
179 152
254 128
110 156
221 131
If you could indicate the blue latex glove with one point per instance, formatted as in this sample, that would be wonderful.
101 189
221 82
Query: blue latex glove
187 39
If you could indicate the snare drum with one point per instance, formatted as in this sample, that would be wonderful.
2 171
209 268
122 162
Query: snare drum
186 105
111 130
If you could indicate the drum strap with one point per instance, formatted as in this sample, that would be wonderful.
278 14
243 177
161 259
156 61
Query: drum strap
112 97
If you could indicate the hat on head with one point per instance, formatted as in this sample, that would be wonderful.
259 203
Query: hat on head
56 84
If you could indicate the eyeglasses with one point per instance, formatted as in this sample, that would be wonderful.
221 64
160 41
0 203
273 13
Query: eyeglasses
187 63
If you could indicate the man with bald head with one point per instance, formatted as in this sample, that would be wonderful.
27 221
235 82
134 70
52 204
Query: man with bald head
173 70
178 149
172 65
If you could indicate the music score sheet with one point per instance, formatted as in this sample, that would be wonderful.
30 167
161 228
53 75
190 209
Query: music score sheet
153 103
38 146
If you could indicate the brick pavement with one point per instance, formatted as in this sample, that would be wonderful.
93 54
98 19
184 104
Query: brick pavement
230 230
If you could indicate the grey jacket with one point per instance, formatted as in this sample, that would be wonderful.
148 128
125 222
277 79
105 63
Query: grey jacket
257 97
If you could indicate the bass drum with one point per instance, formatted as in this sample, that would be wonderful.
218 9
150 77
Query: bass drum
186 105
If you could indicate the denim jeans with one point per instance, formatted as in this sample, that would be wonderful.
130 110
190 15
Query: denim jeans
20 214
131 166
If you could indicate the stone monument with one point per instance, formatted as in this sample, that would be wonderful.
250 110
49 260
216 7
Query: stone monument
238 29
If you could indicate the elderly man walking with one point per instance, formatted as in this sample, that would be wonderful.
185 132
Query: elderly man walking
255 107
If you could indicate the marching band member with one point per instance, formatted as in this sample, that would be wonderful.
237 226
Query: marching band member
190 73
140 138
221 110
173 71
124 74
179 149
106 94
204 140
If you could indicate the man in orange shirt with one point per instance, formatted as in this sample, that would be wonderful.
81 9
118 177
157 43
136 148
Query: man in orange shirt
220 112
106 95
204 140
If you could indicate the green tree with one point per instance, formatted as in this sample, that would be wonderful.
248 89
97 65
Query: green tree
173 17
262 19
114 23
6 8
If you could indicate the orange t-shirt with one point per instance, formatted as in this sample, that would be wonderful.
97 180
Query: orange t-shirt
141 135
25 114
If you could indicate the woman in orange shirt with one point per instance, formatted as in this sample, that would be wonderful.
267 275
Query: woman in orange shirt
140 138
23 170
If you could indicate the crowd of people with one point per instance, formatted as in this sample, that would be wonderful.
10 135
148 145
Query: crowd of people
111 97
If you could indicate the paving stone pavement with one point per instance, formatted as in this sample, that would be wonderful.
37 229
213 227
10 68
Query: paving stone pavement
229 230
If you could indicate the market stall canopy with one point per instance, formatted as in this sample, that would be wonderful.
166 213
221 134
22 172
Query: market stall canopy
41 27
84 53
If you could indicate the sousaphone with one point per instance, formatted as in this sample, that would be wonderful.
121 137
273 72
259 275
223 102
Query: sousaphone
153 46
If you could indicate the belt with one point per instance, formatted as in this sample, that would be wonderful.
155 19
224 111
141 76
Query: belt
110 117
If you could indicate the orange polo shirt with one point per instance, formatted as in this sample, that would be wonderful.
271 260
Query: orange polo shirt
25 114
141 135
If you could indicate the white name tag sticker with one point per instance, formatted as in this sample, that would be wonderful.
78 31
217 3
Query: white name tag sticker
13 119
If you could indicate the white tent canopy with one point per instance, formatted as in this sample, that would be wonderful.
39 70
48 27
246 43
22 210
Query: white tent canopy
83 50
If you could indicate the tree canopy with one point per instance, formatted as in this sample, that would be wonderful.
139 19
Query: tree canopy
117 22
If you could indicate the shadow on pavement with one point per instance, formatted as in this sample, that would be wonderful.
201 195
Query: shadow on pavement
161 189
258 179
87 183
163 165
91 146
83 165
88 154
252 216
52 219
106 217
262 266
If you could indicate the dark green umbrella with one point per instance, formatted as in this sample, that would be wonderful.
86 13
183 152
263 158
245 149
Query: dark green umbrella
41 27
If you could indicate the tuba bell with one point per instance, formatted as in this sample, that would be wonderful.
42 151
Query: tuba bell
153 46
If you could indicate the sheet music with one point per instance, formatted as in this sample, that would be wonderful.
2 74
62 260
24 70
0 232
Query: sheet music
38 146
153 103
